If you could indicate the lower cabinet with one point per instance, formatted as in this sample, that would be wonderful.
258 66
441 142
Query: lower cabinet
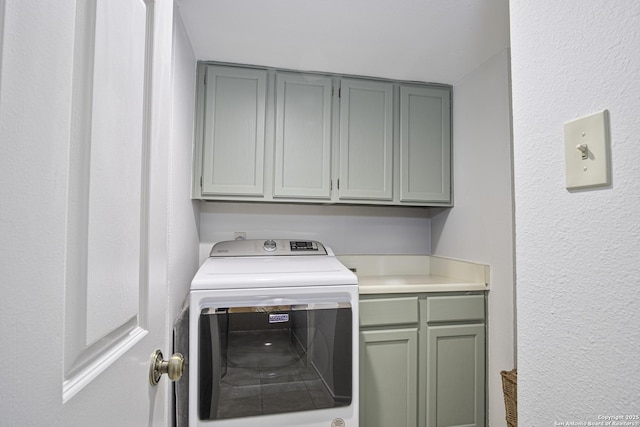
389 378
455 365
422 360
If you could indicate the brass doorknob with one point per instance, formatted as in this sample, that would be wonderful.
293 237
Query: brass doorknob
172 367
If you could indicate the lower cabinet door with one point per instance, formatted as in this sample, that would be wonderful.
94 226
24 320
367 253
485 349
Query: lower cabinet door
455 376
388 378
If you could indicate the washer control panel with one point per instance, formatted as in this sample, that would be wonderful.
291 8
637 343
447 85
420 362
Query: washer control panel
270 247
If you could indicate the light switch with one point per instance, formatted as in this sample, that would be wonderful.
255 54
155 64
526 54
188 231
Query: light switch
586 148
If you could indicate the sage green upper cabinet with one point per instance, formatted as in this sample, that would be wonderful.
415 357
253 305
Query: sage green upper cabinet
234 131
366 140
425 144
303 136
271 135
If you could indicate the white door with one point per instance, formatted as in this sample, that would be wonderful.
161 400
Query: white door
83 125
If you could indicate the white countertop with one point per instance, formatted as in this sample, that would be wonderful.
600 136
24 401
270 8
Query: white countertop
390 274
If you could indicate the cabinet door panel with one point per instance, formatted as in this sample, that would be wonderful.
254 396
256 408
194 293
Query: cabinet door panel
456 308
233 149
388 311
303 136
366 140
425 144
388 377
456 376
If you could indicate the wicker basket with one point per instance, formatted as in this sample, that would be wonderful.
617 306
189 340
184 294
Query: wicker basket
510 388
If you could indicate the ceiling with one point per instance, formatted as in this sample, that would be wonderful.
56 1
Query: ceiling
425 40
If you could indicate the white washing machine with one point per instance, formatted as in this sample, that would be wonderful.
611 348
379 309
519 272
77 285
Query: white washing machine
272 338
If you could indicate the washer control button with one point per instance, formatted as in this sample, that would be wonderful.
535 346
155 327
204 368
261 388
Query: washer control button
269 245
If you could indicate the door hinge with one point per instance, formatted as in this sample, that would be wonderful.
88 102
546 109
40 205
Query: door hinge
330 184
201 181
338 183
340 93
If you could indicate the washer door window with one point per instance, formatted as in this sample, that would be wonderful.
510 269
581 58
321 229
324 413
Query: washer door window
274 359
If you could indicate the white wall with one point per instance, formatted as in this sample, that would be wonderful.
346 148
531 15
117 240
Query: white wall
346 229
577 252
437 41
480 226
392 40
184 214
224 32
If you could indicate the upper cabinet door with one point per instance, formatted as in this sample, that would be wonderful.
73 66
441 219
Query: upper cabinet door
234 121
425 144
303 136
366 140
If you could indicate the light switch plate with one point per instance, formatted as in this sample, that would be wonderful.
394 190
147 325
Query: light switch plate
587 148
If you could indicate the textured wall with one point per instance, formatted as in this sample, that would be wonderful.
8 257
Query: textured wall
480 226
577 252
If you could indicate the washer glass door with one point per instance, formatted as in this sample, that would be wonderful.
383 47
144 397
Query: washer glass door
274 359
